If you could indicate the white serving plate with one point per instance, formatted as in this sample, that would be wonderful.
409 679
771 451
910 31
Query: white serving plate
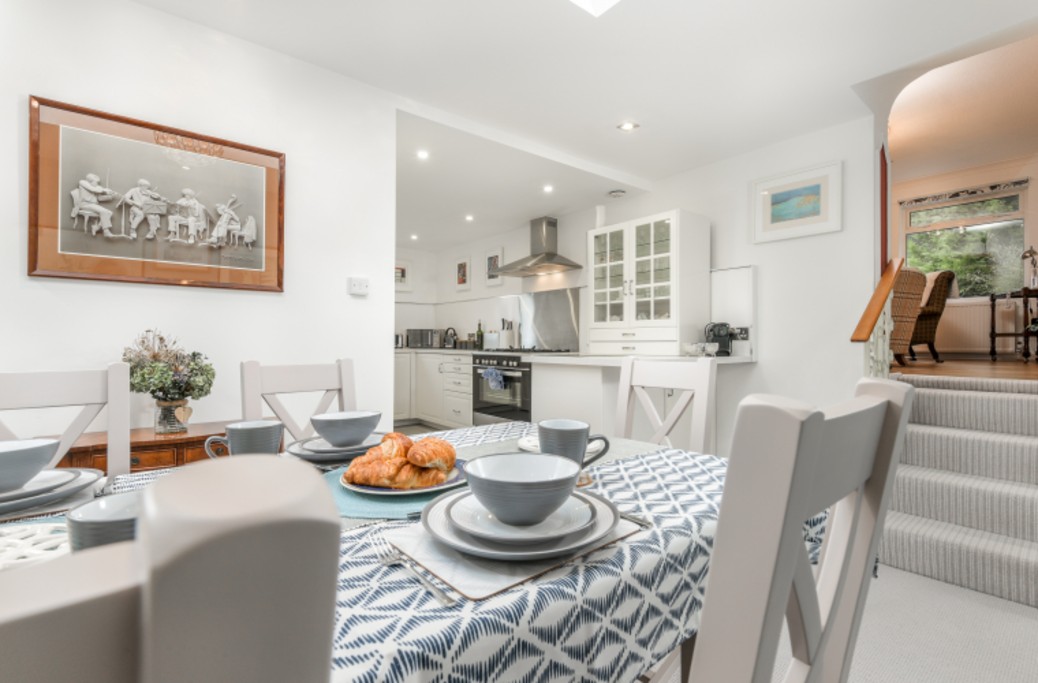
532 444
318 445
467 514
455 478
44 481
87 477
298 450
434 519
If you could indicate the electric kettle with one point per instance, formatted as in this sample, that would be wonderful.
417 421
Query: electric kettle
450 338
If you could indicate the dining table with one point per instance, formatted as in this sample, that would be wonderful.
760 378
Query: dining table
609 614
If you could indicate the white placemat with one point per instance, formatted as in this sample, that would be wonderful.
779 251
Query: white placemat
476 578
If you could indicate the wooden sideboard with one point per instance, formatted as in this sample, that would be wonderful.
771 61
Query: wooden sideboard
148 450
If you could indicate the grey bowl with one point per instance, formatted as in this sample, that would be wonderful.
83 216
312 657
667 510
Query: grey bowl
346 429
521 488
22 460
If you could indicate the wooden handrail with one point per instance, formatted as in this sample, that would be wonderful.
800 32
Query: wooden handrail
879 299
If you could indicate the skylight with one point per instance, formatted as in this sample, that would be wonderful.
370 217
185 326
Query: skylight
595 8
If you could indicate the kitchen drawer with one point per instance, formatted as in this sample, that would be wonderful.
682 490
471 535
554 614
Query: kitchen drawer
636 334
636 348
458 382
153 459
196 453
457 409
458 358
455 368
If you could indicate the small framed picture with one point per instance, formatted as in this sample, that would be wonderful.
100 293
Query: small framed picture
402 276
798 204
462 274
494 258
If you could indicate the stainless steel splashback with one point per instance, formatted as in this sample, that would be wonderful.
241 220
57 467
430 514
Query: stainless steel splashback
550 320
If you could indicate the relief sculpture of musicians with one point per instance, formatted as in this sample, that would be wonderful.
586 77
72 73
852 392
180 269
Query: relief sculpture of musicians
145 203
191 213
91 194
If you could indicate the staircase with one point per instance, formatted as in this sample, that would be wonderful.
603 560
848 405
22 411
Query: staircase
965 503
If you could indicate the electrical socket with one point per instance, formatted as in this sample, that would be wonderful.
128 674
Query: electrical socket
740 333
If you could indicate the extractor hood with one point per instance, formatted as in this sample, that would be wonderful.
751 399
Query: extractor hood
543 258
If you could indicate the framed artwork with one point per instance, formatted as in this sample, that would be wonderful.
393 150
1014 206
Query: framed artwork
114 198
494 259
462 274
402 276
806 202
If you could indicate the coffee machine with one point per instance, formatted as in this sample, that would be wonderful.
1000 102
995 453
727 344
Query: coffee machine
720 334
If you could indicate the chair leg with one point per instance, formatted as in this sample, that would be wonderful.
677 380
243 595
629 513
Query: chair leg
911 353
933 352
900 358
687 648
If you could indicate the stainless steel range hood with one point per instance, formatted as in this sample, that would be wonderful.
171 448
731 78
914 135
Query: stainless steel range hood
543 258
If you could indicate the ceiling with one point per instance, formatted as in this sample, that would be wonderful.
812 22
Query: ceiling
972 112
705 81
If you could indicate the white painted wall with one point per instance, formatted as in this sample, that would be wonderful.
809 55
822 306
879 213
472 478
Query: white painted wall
811 291
339 138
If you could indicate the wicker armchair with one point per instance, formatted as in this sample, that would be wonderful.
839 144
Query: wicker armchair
904 309
930 314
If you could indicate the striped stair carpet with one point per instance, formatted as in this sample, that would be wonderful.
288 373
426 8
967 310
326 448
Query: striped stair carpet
965 503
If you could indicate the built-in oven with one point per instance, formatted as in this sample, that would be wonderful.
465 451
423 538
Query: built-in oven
501 388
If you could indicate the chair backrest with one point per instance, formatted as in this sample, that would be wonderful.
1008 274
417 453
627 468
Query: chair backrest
939 285
789 462
234 558
694 379
92 389
263 383
904 307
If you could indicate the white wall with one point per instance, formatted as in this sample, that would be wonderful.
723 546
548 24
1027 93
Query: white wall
811 290
339 141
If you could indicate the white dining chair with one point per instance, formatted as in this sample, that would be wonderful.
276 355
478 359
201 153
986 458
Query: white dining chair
694 379
262 383
789 462
232 578
91 389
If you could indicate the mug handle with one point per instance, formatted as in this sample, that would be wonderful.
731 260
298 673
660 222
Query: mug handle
216 439
596 456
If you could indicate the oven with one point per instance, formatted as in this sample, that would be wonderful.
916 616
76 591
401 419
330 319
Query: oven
504 398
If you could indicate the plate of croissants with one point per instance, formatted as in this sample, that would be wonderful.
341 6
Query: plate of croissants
399 466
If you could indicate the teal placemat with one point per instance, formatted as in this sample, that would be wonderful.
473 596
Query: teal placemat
363 506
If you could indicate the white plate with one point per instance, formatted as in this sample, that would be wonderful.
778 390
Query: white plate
41 483
467 514
316 444
454 479
87 477
434 519
298 450
532 444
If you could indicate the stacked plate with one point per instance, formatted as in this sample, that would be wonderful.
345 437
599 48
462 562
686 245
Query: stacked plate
460 521
106 520
48 487
320 452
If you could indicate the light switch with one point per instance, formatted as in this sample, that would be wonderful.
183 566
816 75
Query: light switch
358 286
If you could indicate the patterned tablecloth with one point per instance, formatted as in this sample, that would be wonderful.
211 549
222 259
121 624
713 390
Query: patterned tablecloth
608 616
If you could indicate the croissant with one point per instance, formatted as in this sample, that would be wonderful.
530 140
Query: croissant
413 477
433 453
374 471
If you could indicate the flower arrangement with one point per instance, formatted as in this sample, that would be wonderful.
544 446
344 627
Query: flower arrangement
158 366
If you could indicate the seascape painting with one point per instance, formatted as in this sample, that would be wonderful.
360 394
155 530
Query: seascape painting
796 204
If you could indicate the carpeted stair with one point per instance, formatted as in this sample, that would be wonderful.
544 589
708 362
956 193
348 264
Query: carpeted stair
965 503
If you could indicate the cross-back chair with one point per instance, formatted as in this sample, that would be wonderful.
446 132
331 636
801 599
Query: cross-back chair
789 462
694 380
91 389
262 383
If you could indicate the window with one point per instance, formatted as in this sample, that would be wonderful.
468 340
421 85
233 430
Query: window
980 240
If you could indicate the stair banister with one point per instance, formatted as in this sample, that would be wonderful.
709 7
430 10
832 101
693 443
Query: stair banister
875 325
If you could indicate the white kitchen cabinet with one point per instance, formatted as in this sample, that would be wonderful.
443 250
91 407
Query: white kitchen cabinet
428 388
402 385
443 389
650 284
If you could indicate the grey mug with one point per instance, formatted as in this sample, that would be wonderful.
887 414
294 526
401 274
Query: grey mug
252 436
569 438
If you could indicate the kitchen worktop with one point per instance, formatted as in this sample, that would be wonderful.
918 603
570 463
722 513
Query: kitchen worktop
578 358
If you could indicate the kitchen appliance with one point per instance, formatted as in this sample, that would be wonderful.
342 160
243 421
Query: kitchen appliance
398 341
420 339
720 334
504 398
450 338
544 256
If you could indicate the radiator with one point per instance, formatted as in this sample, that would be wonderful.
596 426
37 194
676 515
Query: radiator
965 325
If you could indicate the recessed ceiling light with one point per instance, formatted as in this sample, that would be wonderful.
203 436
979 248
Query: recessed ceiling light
186 168
616 194
423 154
470 218
548 189
414 237
628 126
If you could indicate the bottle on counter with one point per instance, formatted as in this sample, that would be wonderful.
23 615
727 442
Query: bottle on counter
479 335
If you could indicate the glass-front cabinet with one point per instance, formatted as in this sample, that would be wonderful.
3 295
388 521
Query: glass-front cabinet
650 284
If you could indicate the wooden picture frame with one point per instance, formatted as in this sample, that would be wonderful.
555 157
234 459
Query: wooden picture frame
402 275
494 259
115 198
797 204
462 274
